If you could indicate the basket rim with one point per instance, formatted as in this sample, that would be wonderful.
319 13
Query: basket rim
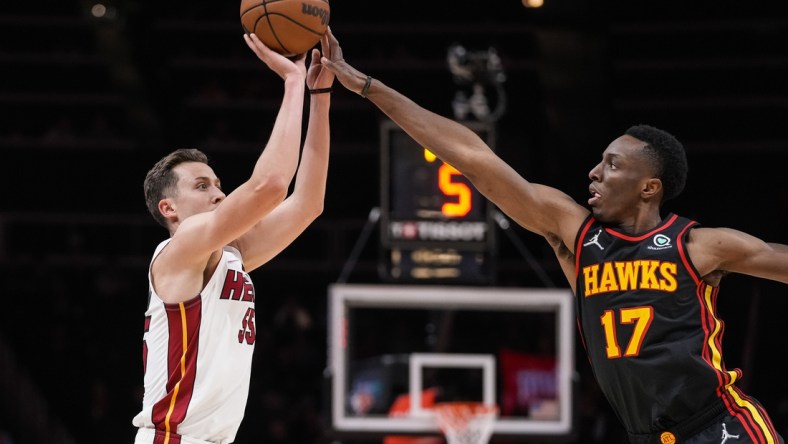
456 418
459 413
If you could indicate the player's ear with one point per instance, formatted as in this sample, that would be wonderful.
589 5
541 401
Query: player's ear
651 187
166 208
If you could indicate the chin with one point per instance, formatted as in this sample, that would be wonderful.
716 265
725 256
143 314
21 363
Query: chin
599 215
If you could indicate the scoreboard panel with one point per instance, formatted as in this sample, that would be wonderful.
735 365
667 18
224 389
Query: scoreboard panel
435 226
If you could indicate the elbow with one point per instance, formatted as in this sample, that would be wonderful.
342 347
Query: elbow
315 210
319 210
274 187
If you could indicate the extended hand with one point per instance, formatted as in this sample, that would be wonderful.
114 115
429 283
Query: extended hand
317 77
348 76
278 63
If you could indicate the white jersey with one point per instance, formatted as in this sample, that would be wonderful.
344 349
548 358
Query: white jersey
197 358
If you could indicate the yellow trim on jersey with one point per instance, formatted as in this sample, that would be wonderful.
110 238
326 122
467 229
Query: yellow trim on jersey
183 373
756 415
716 354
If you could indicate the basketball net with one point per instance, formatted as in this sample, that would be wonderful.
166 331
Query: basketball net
466 422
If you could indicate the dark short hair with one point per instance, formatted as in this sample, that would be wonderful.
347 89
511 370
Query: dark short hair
667 155
161 181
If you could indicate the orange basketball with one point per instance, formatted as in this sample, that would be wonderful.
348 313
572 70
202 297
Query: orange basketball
289 27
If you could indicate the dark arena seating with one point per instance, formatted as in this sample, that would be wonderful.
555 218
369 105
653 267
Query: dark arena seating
93 94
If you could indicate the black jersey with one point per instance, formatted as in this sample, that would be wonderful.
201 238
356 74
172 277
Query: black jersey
649 324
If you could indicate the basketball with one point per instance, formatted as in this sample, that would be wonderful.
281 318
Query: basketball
289 27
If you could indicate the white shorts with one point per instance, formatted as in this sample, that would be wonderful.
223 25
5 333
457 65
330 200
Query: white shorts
147 436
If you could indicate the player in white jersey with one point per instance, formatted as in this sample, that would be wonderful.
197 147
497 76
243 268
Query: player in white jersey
181 344
200 323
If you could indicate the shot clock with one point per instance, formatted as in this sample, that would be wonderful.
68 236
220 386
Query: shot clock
435 226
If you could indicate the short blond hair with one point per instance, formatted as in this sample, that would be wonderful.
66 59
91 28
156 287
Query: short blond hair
161 181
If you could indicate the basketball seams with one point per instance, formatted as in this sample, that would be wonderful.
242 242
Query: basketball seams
263 3
291 21
273 32
286 26
257 19
295 22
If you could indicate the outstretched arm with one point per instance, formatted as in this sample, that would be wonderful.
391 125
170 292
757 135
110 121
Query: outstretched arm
268 184
538 208
729 250
285 223
196 244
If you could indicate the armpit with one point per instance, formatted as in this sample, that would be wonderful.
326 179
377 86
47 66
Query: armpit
715 277
559 247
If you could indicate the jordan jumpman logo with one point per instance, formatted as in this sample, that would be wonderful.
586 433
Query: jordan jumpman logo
595 240
725 435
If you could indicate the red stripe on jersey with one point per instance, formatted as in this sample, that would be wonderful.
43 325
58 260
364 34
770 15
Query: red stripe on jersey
756 423
762 422
578 247
708 324
736 412
685 257
579 244
582 338
162 437
713 328
715 291
183 322
642 236
753 415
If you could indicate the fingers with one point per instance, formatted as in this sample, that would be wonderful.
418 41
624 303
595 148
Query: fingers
331 39
277 62
249 42
328 40
256 45
325 46
334 52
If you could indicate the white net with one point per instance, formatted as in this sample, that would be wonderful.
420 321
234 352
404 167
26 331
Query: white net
466 422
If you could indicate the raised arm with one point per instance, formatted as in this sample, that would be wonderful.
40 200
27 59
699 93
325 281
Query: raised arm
727 250
538 208
197 240
285 223
268 184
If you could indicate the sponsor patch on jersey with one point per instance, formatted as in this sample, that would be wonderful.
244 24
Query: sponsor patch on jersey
661 242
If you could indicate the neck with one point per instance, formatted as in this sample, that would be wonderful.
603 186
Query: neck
641 221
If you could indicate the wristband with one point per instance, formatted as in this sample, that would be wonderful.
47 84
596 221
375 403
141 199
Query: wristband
365 90
320 90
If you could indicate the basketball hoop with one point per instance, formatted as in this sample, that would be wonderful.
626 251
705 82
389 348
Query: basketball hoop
466 422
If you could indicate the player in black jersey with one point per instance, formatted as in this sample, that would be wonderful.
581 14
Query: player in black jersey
646 285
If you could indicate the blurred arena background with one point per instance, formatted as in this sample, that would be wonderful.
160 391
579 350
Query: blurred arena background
92 94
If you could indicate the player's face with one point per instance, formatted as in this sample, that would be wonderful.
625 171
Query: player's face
618 180
199 190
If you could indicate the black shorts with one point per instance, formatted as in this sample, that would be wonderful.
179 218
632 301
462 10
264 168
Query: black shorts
725 429
716 425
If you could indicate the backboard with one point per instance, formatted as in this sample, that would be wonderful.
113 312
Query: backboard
395 350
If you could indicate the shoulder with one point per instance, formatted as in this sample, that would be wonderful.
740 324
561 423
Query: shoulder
721 238
715 249
161 246
701 245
